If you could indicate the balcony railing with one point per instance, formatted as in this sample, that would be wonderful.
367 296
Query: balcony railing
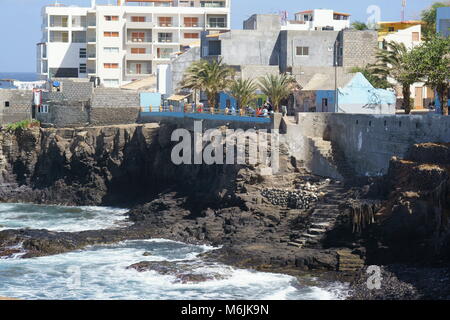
217 25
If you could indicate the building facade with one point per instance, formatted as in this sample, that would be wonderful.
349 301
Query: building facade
266 43
319 19
407 32
123 42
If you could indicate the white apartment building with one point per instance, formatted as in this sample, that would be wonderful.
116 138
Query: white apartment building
319 19
123 42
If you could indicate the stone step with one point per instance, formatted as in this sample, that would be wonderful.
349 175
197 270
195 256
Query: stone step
316 231
323 215
322 220
321 225
310 236
294 244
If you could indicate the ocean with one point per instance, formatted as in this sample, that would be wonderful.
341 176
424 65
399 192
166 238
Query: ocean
100 271
20 76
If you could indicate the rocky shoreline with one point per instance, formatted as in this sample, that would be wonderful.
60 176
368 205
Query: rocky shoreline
292 222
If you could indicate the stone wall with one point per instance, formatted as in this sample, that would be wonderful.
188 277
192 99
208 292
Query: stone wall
359 47
109 116
111 97
61 115
15 105
367 141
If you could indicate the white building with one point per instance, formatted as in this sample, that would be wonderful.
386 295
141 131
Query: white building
319 19
123 42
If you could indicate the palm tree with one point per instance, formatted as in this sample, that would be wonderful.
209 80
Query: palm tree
277 88
395 63
358 25
244 91
211 77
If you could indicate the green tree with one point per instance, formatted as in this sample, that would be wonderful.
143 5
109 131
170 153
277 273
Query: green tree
429 17
358 25
431 62
244 91
277 88
211 77
395 63
376 80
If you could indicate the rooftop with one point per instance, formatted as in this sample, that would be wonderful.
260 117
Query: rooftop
311 11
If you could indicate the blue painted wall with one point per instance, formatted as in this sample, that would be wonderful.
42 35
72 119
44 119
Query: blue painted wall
150 99
223 97
325 94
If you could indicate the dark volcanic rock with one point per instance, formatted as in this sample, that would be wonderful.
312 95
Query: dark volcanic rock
184 272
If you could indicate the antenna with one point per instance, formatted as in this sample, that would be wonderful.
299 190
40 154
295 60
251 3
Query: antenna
403 10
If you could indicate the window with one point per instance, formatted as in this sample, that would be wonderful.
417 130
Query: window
111 50
302 51
111 65
191 36
190 22
391 29
217 22
112 18
137 19
164 53
164 37
111 34
416 36
43 108
138 37
6 104
82 68
59 36
59 21
83 53
79 36
165 21
138 50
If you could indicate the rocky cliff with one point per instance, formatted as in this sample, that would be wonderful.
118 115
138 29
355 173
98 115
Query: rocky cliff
118 165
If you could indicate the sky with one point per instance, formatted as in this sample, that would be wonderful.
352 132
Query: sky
20 20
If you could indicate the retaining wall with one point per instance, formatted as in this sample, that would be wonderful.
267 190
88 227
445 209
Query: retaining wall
368 141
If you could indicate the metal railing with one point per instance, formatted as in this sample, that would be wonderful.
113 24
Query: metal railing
247 112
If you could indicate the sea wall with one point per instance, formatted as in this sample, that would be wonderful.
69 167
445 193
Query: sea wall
367 141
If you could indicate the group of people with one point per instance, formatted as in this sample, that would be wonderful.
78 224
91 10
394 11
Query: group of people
265 110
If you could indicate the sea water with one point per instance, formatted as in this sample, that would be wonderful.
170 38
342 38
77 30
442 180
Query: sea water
100 272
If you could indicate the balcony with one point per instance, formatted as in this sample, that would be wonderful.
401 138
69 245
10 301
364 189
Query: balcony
139 56
140 25
217 25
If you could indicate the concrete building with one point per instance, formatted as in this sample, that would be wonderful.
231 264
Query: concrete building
407 32
124 42
443 21
318 19
354 94
265 43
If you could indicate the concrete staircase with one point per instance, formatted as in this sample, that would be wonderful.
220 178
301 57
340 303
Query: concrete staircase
329 160
322 219
349 262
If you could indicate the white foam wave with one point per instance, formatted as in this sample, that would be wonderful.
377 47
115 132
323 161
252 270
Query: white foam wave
100 272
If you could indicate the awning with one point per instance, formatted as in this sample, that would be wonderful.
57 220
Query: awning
177 97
